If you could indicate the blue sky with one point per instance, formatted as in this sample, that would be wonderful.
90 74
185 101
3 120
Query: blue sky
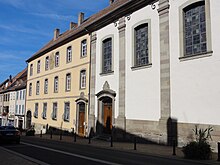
27 25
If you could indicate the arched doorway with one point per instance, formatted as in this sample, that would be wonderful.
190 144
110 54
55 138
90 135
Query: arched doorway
106 110
28 121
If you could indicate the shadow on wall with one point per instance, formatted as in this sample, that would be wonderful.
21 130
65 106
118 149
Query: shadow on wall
103 132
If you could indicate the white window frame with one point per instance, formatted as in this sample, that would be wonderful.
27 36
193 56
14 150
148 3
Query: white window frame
46 86
84 48
47 63
38 88
56 84
69 54
68 81
82 79
38 66
66 115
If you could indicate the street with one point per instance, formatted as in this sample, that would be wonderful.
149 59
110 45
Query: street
44 151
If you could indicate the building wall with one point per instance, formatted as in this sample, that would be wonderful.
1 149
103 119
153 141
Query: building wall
143 84
74 67
20 110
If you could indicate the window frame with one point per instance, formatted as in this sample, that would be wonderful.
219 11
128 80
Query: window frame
69 54
209 51
54 115
31 69
38 66
66 116
133 45
102 51
47 63
30 89
83 48
56 89
68 81
83 77
57 59
44 113
36 108
46 83
37 87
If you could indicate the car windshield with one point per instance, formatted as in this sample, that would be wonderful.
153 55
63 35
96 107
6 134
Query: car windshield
7 127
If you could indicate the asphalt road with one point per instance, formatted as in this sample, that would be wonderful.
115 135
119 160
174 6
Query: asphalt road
57 153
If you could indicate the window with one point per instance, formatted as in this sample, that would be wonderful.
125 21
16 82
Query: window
57 59
69 54
68 82
31 69
37 88
107 55
195 29
17 95
36 110
66 111
83 79
141 53
44 113
21 93
19 109
30 89
56 84
16 109
47 63
38 66
22 113
54 113
45 86
24 93
83 48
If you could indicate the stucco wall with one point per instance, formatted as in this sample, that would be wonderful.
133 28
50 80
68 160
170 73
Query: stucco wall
195 90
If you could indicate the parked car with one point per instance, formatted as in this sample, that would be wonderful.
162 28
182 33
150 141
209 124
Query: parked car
9 134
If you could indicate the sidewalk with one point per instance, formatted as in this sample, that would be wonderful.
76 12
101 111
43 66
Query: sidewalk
147 149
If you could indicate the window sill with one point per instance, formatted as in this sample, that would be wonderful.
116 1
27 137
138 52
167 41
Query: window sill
141 67
65 120
196 56
107 73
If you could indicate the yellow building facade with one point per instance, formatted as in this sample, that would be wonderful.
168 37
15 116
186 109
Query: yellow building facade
57 85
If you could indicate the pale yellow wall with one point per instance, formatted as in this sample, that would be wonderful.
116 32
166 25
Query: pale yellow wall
74 67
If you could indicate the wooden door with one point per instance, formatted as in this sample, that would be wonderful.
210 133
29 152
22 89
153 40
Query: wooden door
107 118
81 123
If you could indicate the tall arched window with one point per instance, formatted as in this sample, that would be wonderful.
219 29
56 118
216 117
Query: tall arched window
194 21
141 53
68 82
38 88
84 48
69 54
56 84
57 59
107 55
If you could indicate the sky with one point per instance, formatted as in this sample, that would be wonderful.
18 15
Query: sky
27 25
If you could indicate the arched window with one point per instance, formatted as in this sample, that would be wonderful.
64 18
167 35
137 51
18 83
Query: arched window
56 84
45 86
141 53
57 59
195 41
38 88
107 55
47 63
69 54
31 69
30 89
83 48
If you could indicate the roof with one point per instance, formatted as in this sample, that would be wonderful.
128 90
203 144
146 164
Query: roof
17 82
98 20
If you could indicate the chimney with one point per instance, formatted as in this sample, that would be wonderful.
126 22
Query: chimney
10 78
80 18
73 25
56 34
111 1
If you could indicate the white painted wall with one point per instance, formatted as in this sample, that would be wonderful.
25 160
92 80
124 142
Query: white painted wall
109 30
195 89
143 85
